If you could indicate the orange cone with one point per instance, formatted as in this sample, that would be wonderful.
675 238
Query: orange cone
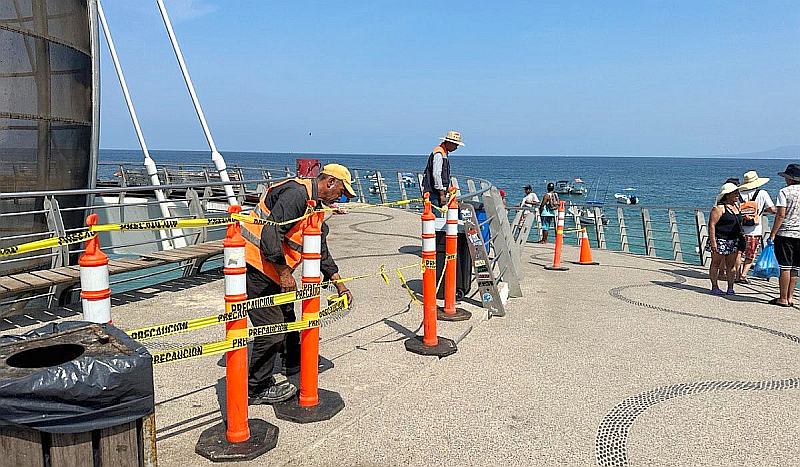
586 250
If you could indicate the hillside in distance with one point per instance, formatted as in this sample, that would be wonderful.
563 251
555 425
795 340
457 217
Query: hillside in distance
783 152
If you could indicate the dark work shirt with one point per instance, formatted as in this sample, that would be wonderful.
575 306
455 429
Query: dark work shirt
285 202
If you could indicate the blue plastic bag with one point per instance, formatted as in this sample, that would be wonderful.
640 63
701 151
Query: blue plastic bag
767 264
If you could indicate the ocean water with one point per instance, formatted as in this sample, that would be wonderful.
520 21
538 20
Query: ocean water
659 181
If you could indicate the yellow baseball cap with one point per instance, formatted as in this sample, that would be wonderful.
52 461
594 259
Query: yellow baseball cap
340 172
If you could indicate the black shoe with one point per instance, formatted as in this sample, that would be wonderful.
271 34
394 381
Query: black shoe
273 394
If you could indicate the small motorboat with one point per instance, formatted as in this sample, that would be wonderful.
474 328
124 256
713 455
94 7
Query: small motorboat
586 213
376 189
408 179
577 187
562 187
629 197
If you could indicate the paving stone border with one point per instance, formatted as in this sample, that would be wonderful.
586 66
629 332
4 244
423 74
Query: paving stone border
612 434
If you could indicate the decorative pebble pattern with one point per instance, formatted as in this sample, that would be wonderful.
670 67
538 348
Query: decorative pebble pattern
612 434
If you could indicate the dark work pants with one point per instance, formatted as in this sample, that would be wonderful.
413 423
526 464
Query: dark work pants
262 358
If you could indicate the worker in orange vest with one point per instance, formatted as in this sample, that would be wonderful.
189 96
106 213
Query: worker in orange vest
273 253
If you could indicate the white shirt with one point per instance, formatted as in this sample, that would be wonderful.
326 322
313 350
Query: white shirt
789 197
529 198
438 161
764 202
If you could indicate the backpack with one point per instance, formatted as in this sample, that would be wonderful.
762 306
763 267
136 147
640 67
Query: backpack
552 201
749 210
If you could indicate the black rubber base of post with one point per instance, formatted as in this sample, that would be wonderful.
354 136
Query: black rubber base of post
214 446
330 403
460 315
444 348
560 268
593 263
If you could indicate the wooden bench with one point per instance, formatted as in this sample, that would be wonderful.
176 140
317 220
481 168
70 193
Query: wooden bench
67 276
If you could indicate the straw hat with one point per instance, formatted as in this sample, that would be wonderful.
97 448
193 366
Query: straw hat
339 171
724 190
752 180
453 137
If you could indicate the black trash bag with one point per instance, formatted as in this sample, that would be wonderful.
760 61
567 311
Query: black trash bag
106 380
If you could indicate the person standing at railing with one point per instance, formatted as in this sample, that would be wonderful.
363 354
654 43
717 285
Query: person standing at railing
724 232
754 203
436 179
786 234
273 252
547 210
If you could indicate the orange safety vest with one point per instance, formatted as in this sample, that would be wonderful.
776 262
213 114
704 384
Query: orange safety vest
292 244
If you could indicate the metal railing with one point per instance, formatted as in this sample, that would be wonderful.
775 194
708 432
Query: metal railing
35 215
671 232
206 199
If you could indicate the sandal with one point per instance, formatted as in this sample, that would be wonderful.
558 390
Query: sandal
717 292
774 301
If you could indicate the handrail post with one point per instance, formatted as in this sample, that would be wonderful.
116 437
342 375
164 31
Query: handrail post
361 198
623 232
403 195
701 228
471 188
454 183
647 233
599 229
381 186
677 254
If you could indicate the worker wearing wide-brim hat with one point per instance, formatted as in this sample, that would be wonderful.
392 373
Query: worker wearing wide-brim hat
436 180
272 253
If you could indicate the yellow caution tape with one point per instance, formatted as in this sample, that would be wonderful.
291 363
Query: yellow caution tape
383 274
430 264
405 285
164 224
196 351
47 243
450 257
337 305
308 291
169 329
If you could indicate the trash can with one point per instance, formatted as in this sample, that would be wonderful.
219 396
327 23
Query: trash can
480 216
463 260
74 393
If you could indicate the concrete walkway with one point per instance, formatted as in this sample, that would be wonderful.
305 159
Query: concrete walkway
628 363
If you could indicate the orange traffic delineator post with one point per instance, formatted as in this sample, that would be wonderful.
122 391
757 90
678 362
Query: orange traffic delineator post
559 240
586 249
95 290
237 439
450 312
429 343
312 404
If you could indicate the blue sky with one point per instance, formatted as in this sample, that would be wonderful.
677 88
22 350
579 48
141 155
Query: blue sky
383 77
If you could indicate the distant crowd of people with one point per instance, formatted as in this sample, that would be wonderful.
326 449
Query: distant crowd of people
735 231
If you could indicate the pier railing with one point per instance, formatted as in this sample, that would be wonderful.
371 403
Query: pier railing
37 215
671 232
31 216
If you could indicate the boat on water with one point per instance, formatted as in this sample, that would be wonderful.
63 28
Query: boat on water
627 197
562 187
577 187
586 213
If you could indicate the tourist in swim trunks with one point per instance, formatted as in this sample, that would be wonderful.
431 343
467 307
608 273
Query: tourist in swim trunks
547 210
786 234
724 231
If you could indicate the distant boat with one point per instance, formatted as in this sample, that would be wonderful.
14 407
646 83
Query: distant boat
627 198
562 187
408 179
586 213
577 187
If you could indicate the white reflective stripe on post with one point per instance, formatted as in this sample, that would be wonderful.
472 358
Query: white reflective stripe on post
97 311
94 278
311 268
235 284
452 222
561 218
429 227
312 244
234 257
428 244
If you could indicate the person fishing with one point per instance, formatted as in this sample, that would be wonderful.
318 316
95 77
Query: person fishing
272 253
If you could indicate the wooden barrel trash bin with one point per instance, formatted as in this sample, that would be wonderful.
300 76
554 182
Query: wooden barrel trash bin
76 394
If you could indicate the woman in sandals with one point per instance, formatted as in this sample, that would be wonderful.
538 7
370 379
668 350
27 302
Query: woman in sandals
724 231
786 235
